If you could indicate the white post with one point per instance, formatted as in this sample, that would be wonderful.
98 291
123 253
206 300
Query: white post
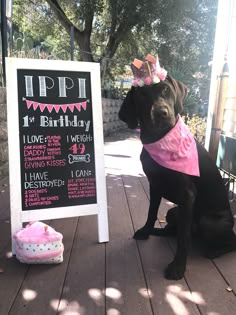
220 48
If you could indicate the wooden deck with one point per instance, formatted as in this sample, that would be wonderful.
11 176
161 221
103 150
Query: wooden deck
122 277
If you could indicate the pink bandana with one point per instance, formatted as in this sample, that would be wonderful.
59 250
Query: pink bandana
177 150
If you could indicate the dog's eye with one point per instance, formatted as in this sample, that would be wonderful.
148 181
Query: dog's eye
165 89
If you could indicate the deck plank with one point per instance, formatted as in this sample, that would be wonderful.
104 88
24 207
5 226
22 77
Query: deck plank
4 199
5 228
226 264
12 273
169 297
11 277
209 287
124 275
84 285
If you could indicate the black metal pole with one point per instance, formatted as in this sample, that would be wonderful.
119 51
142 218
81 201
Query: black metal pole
4 37
9 8
72 45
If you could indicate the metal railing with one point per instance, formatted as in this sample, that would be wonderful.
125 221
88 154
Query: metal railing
230 183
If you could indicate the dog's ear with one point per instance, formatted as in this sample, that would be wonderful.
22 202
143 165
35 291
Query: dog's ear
127 111
180 93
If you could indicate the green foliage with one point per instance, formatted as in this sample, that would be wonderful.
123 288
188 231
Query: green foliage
33 18
114 32
190 101
184 74
38 34
197 126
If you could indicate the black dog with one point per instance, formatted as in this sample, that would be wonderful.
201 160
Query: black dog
202 203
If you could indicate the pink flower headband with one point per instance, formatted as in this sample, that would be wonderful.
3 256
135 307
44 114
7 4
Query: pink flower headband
147 72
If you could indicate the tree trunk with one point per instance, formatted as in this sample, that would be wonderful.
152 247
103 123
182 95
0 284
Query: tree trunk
83 41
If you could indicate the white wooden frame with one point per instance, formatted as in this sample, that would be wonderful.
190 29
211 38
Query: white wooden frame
100 208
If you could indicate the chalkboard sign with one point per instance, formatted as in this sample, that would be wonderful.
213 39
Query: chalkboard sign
55 140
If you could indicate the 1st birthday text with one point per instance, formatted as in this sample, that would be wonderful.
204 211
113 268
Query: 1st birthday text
62 121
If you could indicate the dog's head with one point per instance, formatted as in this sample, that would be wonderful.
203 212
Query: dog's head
154 108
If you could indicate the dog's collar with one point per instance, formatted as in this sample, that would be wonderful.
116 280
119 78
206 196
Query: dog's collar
177 150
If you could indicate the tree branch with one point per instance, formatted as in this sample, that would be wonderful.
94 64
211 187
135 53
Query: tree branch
81 37
61 15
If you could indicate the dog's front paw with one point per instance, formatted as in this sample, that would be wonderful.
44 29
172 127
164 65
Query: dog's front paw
174 271
141 234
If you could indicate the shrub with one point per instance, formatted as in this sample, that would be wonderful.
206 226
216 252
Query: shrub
197 126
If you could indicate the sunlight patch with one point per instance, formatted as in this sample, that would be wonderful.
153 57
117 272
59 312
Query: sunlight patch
146 293
113 293
113 311
95 294
9 254
29 295
63 304
71 308
195 297
174 288
176 304
54 304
